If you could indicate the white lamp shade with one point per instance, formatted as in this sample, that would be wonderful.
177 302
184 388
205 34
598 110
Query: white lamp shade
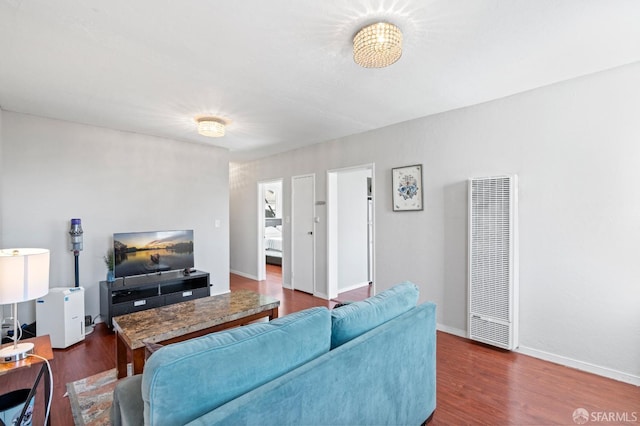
24 274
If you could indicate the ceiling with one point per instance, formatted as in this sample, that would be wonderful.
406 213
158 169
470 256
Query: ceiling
282 70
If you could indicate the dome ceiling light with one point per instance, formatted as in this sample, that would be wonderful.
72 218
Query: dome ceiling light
378 45
212 127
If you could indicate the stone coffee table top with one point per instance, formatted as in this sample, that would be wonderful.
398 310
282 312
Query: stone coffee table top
171 321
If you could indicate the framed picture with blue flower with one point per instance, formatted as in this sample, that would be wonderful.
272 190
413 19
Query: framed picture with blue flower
407 188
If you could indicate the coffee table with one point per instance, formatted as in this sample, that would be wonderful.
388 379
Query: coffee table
186 320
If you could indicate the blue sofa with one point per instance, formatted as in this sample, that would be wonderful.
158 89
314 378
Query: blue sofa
369 362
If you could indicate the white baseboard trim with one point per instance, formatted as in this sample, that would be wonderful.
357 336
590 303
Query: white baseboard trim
558 359
321 296
287 285
580 365
353 287
451 330
242 274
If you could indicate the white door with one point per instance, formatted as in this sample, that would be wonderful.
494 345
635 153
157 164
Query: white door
302 230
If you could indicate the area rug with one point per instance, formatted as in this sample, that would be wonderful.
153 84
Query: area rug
91 398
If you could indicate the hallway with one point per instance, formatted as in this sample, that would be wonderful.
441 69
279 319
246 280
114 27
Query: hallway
292 300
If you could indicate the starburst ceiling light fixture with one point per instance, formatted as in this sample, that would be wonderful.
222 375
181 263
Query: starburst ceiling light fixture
378 45
212 127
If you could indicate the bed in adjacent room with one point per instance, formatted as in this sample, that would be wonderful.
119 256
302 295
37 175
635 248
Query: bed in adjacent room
273 241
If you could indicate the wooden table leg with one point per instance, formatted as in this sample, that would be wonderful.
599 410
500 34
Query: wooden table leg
47 390
273 314
138 360
121 356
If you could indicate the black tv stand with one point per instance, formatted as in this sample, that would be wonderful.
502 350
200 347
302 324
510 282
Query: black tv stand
141 292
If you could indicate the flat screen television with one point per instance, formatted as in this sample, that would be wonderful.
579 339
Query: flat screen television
142 253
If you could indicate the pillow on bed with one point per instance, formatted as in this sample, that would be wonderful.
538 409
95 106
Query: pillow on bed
271 232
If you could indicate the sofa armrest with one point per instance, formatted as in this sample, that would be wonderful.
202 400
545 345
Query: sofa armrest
127 408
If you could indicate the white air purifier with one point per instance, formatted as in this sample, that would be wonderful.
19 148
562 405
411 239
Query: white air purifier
60 314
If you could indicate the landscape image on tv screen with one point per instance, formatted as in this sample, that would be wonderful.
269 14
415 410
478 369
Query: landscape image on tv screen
140 253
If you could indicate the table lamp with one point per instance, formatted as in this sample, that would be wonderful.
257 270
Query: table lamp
24 275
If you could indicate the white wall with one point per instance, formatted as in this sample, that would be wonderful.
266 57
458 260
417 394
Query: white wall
1 172
352 229
114 181
576 148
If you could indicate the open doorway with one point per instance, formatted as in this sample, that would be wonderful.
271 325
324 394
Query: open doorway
270 251
350 225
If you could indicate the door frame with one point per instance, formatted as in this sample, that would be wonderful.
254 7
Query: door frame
313 236
261 257
332 227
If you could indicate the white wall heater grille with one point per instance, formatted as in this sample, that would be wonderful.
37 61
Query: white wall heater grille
493 261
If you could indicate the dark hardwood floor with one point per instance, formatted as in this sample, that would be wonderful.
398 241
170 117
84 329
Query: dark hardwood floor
477 384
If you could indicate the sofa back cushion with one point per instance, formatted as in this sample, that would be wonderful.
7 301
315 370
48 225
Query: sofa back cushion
354 319
184 380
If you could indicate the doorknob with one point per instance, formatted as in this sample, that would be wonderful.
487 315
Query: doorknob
310 232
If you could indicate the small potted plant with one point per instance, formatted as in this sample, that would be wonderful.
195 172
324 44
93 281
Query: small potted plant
109 260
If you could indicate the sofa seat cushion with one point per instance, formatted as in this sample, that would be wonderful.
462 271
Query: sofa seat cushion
354 319
184 380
